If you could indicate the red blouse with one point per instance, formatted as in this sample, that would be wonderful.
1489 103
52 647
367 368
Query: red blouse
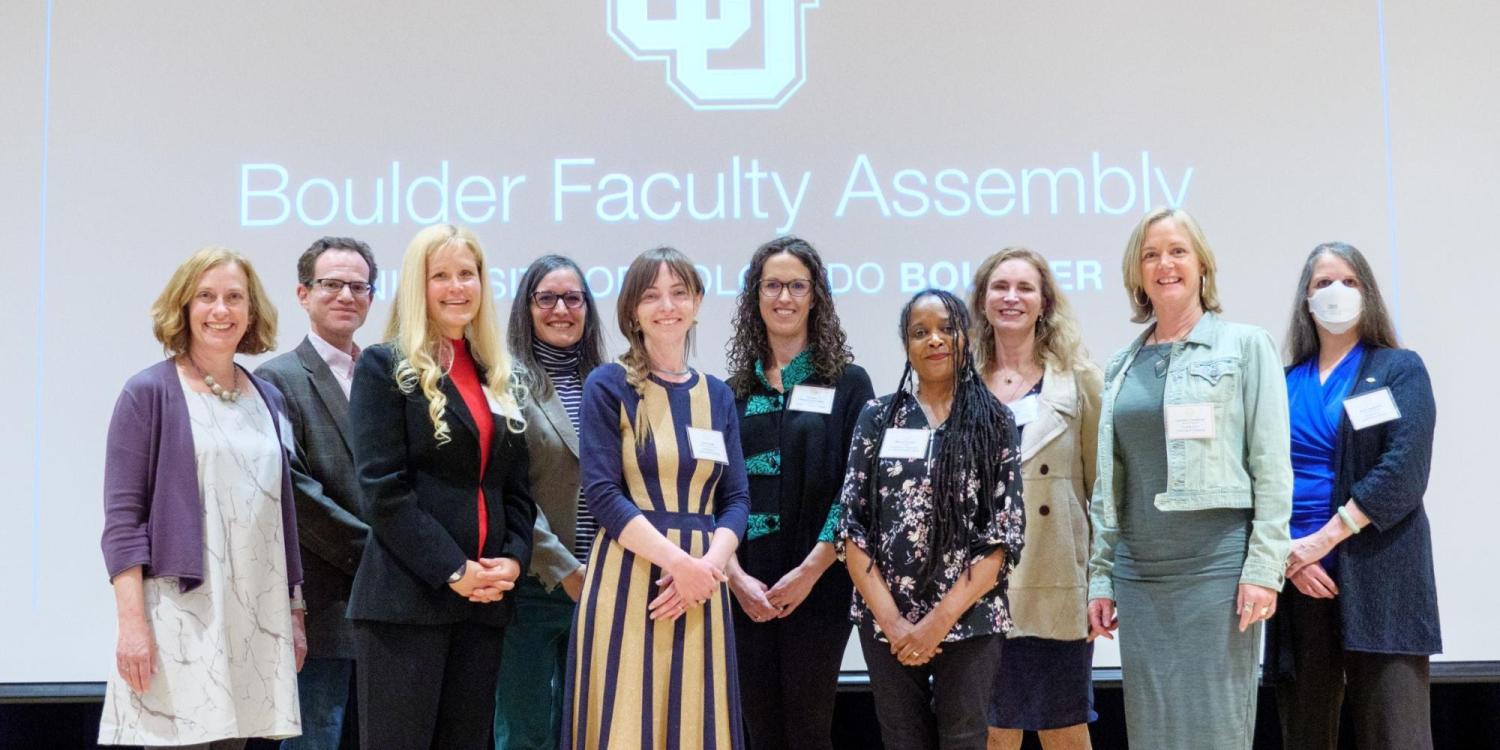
466 378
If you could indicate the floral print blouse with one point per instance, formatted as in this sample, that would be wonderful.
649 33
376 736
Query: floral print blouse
903 490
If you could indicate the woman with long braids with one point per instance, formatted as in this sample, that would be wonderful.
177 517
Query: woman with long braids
932 527
651 662
798 396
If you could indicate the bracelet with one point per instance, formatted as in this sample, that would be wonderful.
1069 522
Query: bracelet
1348 520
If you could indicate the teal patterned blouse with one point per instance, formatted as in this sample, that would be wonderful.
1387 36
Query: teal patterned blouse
770 401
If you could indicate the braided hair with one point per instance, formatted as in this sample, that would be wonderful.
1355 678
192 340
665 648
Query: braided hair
980 430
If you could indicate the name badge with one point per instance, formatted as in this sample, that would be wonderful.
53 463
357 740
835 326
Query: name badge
508 412
901 442
284 426
813 398
1190 421
1370 409
707 445
1026 410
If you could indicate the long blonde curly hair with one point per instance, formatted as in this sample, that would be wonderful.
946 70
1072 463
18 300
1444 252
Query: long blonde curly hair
421 349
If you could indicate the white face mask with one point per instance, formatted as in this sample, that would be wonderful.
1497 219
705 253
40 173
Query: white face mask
1336 307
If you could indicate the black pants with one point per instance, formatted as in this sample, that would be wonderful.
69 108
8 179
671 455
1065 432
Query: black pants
426 686
941 704
1388 694
789 675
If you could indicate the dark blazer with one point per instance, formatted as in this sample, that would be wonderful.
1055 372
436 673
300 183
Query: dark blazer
332 535
1387 593
420 500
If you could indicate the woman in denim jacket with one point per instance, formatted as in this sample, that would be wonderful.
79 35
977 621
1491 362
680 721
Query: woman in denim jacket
1362 610
1192 498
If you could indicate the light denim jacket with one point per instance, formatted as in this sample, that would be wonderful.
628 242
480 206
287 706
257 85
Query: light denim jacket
1248 465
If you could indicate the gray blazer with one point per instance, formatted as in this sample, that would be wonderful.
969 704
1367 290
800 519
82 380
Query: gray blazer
553 445
323 480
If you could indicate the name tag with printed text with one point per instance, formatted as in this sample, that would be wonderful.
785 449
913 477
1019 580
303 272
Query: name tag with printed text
707 445
1190 421
1026 410
813 398
902 442
1370 409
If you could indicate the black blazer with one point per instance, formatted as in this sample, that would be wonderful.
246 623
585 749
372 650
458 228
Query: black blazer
420 501
328 526
1387 592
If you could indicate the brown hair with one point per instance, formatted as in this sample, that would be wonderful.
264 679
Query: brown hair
638 278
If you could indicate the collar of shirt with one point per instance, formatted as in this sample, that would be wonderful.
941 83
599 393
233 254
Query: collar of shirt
341 363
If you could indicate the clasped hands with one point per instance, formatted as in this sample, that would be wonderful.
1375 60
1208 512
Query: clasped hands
915 645
1305 569
689 582
487 580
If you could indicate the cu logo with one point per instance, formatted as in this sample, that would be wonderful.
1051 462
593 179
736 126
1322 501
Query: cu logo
720 54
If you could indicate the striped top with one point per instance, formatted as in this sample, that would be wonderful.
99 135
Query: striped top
561 366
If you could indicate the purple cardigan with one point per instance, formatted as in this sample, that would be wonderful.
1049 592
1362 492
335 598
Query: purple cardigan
153 514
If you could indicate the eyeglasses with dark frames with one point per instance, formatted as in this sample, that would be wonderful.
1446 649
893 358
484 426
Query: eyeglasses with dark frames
771 288
548 300
335 287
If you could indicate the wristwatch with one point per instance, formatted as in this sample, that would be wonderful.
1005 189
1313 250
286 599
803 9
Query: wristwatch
458 575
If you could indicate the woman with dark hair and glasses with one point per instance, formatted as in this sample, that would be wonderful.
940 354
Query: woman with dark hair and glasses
1361 617
798 395
556 342
932 526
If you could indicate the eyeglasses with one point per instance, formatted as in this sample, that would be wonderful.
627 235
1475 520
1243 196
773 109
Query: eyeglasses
771 288
548 300
335 287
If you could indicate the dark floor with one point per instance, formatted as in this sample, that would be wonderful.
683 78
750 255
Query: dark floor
1465 716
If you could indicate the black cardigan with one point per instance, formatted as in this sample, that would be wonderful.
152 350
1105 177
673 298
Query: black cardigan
420 501
1387 593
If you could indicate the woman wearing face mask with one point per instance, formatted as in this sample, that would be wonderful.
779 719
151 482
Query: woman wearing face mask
798 395
556 342
1031 356
932 528
651 662
1363 613
1192 498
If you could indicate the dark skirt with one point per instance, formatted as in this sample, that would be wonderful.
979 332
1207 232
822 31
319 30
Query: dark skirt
1043 684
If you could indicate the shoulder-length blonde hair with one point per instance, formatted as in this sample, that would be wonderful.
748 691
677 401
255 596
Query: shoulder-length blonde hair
420 348
1130 267
169 314
1058 339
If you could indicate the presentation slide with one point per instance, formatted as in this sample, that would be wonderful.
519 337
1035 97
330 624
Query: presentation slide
905 140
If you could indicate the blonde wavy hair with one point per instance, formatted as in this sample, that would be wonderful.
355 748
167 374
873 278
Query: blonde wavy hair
1130 266
169 314
421 349
1058 338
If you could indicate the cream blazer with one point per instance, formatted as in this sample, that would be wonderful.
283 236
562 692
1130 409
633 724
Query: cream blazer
1048 590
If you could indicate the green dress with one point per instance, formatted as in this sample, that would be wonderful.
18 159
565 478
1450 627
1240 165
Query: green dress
1189 674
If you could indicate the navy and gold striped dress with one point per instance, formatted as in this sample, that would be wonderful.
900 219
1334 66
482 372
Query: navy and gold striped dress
632 682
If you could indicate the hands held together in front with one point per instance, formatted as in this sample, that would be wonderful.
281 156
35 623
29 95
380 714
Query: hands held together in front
487 580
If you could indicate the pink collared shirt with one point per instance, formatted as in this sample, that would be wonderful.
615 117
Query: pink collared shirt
340 362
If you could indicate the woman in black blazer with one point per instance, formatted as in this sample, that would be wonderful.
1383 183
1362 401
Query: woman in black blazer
1360 620
442 472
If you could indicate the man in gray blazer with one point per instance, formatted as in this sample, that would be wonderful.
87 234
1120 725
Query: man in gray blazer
335 280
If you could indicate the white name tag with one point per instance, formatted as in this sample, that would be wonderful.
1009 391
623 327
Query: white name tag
901 442
1190 421
1370 409
284 426
813 398
1026 410
707 445
508 412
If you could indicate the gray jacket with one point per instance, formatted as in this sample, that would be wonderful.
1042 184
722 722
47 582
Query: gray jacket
553 445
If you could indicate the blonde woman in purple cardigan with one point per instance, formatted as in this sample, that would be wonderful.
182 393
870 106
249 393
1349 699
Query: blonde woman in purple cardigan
200 539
